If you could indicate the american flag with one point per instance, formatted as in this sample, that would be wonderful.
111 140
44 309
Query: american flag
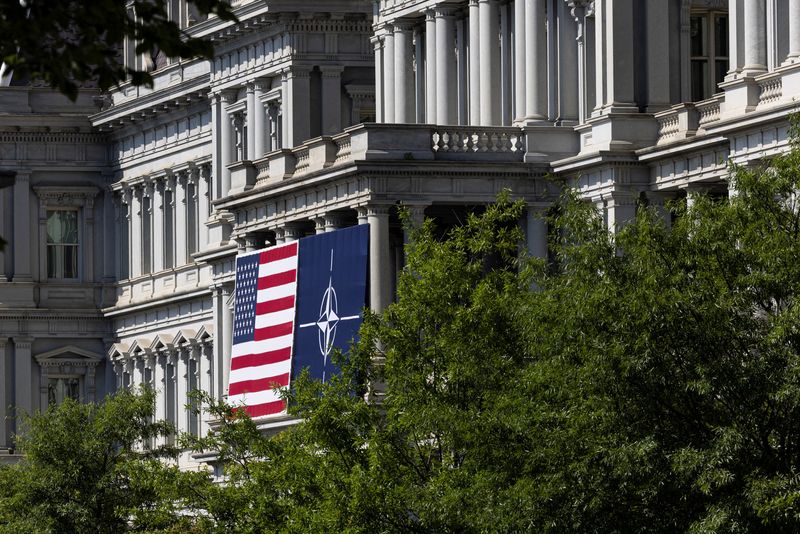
263 330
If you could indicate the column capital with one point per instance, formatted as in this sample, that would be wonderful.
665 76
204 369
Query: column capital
23 342
229 96
293 232
377 210
262 84
331 71
402 26
447 12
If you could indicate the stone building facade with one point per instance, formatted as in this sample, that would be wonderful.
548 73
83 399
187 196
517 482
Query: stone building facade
128 209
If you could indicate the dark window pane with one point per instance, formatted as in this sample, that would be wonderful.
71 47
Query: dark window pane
720 70
70 262
721 35
698 30
699 77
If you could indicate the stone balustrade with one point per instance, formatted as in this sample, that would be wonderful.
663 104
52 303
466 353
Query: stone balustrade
382 142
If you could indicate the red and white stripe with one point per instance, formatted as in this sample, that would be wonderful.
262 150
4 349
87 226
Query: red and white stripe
258 366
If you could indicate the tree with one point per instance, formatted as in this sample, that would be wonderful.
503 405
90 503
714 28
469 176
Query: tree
87 468
69 42
650 382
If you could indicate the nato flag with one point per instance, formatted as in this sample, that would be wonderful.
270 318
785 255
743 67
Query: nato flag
331 292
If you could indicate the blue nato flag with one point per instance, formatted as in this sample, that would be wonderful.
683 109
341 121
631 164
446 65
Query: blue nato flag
331 294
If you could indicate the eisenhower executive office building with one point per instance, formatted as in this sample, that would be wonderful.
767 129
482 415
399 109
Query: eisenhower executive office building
128 209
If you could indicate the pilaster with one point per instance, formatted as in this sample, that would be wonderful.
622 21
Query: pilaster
22 228
331 99
23 377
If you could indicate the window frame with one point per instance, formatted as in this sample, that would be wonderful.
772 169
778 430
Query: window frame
77 246
710 58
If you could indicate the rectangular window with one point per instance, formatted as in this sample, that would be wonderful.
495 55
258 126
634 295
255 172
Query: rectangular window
708 44
62 244
61 388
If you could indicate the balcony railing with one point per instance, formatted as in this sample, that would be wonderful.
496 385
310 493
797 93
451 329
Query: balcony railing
382 142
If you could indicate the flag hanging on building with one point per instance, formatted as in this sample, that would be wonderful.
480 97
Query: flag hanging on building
263 329
330 297
295 304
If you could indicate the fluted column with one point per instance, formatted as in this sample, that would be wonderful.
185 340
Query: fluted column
430 67
794 32
535 60
446 101
490 97
380 285
755 37
474 63
388 75
404 72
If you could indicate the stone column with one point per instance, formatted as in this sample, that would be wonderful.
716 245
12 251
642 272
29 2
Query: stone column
5 370
794 32
614 45
22 228
474 63
285 114
570 52
333 222
182 379
520 66
259 119
23 377
735 40
4 209
204 205
377 44
126 225
227 337
216 106
446 93
136 255
490 63
299 82
292 232
180 219
658 40
755 37
462 72
206 381
600 53
388 75
535 60
380 285
158 226
430 67
331 99
536 231
226 141
404 73
506 73
419 75
250 122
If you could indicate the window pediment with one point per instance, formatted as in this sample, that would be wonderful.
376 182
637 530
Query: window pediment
69 356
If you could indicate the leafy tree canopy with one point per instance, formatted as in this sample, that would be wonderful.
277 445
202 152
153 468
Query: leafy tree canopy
69 42
649 382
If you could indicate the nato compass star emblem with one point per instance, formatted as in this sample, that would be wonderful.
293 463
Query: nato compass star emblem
328 320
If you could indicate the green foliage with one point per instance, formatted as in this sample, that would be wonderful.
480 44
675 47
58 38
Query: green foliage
649 382
85 469
69 42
